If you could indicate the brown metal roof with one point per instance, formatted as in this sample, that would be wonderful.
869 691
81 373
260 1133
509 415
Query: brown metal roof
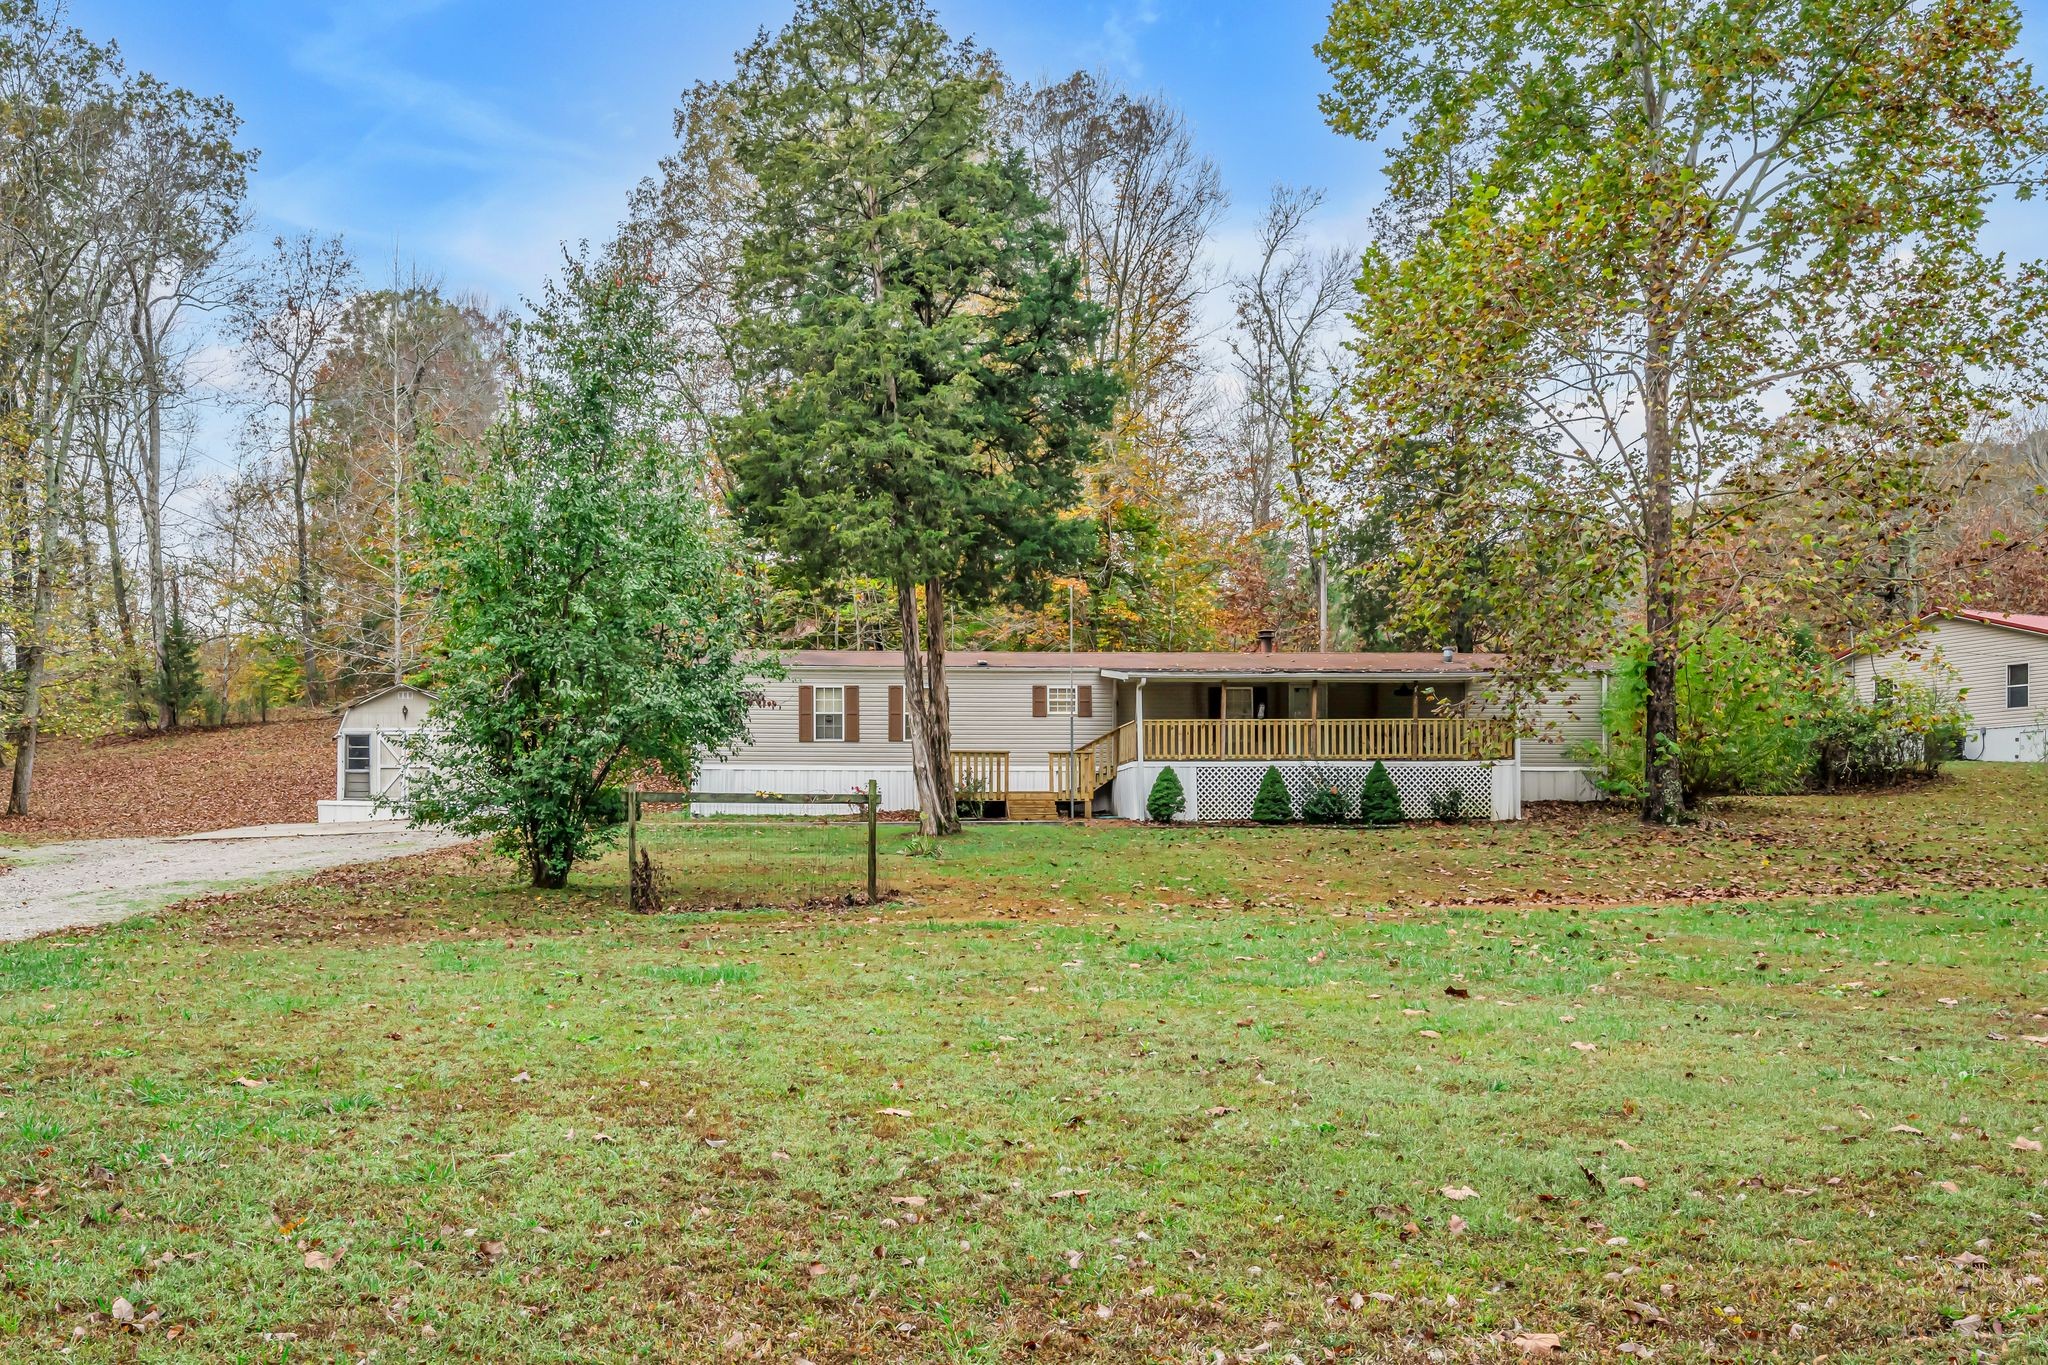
1202 664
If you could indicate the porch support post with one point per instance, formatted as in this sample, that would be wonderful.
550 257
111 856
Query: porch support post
1138 693
1315 718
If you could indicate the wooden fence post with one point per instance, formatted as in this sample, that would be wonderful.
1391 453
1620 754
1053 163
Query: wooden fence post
874 801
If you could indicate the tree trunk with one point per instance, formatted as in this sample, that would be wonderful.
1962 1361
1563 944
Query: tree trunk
926 713
1663 779
302 579
124 611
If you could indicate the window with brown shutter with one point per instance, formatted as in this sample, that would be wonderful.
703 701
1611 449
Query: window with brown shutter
852 715
1038 702
804 705
896 713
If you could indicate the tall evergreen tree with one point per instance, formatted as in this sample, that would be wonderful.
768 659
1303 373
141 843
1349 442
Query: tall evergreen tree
910 338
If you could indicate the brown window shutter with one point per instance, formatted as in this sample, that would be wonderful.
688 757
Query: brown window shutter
1038 702
852 715
1084 699
804 732
896 713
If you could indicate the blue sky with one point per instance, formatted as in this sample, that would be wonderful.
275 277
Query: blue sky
482 133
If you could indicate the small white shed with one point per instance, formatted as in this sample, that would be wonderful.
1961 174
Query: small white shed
373 754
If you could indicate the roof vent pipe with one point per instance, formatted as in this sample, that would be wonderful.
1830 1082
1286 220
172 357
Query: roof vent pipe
1450 654
1266 640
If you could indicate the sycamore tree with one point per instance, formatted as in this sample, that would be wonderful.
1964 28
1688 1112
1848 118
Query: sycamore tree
909 338
590 613
1678 265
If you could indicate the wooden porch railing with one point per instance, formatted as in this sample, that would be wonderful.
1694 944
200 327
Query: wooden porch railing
984 772
1453 738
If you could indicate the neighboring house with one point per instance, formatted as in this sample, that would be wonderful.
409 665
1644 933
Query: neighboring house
834 722
372 754
1999 663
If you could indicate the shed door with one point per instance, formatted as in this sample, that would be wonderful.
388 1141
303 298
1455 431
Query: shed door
393 758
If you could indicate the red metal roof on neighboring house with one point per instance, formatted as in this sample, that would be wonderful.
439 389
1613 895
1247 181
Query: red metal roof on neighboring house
2011 620
1247 664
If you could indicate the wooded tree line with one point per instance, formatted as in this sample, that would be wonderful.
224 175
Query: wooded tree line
156 574
1671 320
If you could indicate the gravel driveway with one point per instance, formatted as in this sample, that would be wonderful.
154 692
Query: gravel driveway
99 881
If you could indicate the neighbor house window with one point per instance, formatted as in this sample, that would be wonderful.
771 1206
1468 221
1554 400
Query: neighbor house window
1059 699
355 767
1237 703
828 713
2016 686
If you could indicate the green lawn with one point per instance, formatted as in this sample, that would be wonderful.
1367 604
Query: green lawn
1078 1094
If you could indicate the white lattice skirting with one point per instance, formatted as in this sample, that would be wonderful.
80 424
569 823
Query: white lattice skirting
1226 791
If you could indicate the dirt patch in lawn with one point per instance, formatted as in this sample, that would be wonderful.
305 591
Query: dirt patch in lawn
138 785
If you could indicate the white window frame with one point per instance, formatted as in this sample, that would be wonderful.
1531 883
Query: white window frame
2016 693
836 713
1063 699
349 769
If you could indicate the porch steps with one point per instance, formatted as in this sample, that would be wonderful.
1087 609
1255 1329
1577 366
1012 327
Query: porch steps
1033 806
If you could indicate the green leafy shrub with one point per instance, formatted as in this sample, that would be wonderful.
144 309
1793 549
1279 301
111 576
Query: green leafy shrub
1907 729
1272 806
1326 806
1167 800
1769 715
1379 802
1745 712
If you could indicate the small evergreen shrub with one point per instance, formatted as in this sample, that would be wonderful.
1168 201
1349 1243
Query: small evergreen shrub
1273 806
1448 806
1326 806
1167 799
1380 802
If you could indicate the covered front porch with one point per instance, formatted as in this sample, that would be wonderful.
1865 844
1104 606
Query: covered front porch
1220 733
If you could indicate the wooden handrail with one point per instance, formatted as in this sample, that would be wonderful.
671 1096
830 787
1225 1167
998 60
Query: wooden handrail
987 770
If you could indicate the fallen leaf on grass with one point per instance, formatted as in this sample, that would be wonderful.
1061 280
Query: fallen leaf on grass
1459 1192
1539 1343
909 1201
1457 1226
122 1311
1585 1047
247 1084
1634 1180
1070 1194
1636 1349
2021 1144
1904 1128
1217 1111
895 1113
319 1260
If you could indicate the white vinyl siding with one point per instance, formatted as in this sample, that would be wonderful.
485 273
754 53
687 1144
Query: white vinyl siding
991 710
1962 656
